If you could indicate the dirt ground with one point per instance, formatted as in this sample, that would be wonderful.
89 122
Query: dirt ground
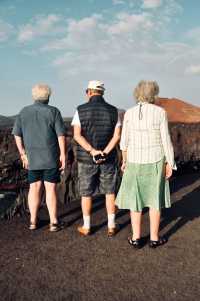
63 266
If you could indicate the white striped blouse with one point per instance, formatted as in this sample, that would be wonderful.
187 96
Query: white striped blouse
145 135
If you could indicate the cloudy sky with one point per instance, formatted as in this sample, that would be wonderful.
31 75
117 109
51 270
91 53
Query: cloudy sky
65 43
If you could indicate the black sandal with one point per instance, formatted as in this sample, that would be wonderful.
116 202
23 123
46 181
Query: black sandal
56 227
157 243
33 226
137 244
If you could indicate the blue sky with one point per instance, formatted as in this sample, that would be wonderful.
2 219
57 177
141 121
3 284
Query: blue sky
66 43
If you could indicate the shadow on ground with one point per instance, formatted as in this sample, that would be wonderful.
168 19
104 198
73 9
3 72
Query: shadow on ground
63 266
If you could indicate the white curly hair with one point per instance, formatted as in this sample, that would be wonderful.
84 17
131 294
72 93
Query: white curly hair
41 92
146 91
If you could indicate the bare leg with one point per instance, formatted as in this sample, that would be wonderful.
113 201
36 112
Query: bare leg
154 223
110 203
51 200
34 200
86 203
136 222
110 206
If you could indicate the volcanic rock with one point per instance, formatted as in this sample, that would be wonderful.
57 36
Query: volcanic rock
179 111
184 125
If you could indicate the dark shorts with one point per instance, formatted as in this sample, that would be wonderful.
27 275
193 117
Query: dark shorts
44 175
94 178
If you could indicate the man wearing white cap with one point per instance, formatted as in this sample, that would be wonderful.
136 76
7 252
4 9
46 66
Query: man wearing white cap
97 132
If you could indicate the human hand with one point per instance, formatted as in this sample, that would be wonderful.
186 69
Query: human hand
62 162
123 166
24 161
168 171
98 156
95 152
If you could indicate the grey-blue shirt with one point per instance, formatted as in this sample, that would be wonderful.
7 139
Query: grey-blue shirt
40 125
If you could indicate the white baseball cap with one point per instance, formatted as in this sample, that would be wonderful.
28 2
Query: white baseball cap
96 85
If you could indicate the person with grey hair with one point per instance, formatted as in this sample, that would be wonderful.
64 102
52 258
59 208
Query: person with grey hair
40 138
148 161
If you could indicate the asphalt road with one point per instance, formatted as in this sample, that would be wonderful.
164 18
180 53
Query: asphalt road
64 266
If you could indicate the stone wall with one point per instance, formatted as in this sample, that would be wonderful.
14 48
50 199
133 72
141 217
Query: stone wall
186 141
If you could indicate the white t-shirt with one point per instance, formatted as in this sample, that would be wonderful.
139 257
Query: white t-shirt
76 120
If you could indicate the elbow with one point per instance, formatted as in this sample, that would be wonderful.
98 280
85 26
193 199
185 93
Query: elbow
118 139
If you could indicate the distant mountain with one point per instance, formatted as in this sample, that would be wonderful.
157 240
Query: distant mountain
67 119
6 121
9 121
180 111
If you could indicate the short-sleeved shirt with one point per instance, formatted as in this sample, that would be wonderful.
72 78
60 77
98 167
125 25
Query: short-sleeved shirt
40 125
76 120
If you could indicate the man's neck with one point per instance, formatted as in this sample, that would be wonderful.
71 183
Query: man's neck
95 96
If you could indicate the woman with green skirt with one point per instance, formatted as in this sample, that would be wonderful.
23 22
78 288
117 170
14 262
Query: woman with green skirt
148 162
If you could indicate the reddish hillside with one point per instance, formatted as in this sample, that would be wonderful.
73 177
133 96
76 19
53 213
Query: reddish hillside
179 111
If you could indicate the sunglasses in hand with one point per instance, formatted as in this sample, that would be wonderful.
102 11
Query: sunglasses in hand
99 158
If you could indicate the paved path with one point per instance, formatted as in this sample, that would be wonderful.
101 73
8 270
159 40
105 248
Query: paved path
63 266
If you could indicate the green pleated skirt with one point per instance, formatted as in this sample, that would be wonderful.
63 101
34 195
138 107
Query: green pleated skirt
144 185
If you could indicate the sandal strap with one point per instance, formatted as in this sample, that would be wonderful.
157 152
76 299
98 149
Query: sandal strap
56 227
159 242
134 242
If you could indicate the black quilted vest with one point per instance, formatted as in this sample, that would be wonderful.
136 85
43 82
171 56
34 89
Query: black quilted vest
98 120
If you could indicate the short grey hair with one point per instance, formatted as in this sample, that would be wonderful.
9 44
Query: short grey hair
146 91
41 92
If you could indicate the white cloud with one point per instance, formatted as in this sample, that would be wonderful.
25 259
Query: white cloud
127 23
84 25
193 70
127 41
121 50
171 8
6 30
82 34
194 34
118 2
41 25
118 48
151 3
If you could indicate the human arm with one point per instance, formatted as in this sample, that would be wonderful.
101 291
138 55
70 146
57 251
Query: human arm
62 146
124 159
81 139
21 150
84 143
18 134
113 142
124 141
61 131
167 146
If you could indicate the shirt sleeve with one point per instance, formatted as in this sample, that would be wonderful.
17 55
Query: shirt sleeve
125 134
17 129
119 122
76 119
59 125
166 142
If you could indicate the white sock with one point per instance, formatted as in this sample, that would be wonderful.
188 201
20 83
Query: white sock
111 220
86 221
